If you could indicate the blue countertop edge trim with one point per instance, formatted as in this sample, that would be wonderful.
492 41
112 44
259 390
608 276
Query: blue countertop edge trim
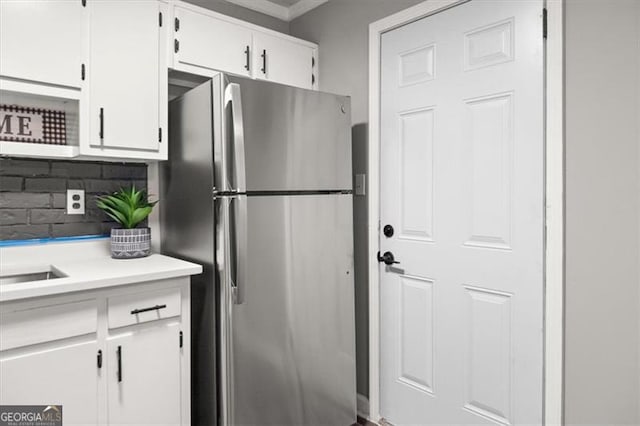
14 243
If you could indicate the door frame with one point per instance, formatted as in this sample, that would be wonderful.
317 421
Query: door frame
554 201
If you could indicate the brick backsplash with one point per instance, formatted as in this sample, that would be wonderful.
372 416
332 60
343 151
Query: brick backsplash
33 196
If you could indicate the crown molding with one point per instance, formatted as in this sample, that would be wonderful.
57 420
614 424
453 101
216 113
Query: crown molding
264 6
303 6
277 11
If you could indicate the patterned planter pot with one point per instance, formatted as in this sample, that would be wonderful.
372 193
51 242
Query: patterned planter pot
130 243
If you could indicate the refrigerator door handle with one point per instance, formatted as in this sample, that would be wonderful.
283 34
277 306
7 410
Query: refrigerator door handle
238 253
233 95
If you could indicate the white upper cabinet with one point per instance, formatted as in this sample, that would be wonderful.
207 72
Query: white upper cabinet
41 41
211 44
206 42
126 78
106 62
282 60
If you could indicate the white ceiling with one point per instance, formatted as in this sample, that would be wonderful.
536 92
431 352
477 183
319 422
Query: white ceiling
285 10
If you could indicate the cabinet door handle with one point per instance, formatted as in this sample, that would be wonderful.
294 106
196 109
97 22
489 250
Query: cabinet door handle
264 62
247 64
119 353
151 308
101 123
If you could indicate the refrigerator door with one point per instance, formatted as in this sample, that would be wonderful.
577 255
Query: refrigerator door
188 227
294 139
289 352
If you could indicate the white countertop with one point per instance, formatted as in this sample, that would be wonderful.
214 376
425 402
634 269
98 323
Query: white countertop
81 274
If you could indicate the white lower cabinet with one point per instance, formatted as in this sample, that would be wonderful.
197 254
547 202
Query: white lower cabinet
118 356
64 374
144 376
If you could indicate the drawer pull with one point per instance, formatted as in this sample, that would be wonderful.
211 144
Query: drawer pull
101 123
119 354
247 55
152 308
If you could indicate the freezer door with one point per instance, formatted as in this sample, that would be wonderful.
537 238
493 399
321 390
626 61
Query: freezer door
289 356
294 139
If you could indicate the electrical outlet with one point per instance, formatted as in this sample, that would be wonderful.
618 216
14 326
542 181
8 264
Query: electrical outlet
75 201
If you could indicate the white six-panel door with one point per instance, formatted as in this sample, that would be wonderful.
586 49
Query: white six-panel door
462 185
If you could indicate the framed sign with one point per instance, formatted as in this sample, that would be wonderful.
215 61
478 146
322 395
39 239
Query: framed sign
32 125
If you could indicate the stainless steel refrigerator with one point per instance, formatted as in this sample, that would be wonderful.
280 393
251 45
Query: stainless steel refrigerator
258 191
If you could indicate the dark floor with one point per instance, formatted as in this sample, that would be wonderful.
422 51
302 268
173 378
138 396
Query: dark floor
363 422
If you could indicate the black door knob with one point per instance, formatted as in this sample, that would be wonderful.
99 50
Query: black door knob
387 258
388 231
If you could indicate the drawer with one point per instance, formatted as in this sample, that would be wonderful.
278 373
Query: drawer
47 324
130 309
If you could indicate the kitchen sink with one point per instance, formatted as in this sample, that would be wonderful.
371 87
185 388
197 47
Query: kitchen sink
49 273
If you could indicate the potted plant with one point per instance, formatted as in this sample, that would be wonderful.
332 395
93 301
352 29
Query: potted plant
129 208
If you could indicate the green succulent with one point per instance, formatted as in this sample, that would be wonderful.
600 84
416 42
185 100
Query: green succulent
127 206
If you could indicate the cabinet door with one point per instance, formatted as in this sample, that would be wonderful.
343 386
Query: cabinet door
66 375
124 75
282 61
144 376
41 40
211 44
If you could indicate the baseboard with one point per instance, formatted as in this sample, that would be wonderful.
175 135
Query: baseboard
362 406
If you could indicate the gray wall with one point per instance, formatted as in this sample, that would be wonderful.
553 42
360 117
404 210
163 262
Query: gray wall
602 342
33 196
243 13
341 28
